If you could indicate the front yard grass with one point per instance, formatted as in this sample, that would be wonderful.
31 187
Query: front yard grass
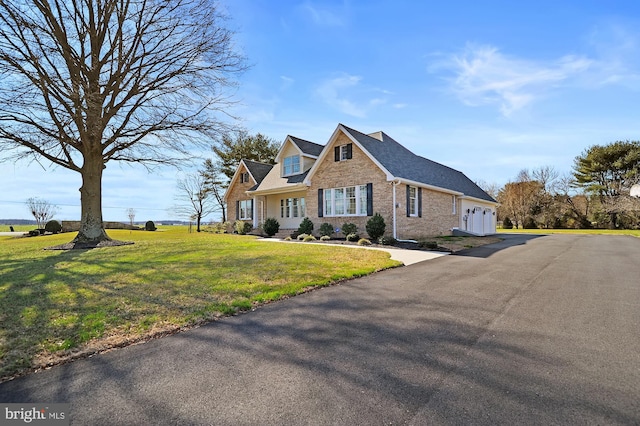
56 305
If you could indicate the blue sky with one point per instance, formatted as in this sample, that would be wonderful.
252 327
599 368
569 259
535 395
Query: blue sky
488 88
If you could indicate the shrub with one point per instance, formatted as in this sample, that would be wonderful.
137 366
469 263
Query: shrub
34 233
431 245
271 226
53 226
150 226
353 237
302 237
507 224
242 227
529 223
288 238
349 228
326 229
306 226
325 238
217 227
364 242
387 241
376 226
309 238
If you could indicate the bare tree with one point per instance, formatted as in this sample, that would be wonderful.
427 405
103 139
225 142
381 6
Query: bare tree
194 197
216 184
131 213
42 210
491 188
85 83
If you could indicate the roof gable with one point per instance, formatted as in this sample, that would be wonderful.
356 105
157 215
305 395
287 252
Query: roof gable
257 170
304 148
400 163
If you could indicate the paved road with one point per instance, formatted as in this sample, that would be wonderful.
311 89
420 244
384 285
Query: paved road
533 330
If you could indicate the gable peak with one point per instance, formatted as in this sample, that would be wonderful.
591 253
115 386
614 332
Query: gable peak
377 135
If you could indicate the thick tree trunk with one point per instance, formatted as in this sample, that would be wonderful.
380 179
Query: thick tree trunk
91 226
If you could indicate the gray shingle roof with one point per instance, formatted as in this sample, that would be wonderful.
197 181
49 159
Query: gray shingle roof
258 170
307 147
402 163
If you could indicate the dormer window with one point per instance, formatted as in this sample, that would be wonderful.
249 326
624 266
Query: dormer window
291 165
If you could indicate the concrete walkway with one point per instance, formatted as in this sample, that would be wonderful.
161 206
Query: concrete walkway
408 257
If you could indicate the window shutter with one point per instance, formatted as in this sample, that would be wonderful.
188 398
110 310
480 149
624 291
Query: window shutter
237 209
419 202
349 151
251 209
320 201
408 201
369 199
336 153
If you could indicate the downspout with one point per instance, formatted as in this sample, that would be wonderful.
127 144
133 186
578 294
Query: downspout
395 183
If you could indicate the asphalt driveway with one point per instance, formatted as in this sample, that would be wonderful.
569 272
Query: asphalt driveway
533 330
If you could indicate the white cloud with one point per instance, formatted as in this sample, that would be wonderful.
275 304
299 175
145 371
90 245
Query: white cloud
331 92
323 16
485 76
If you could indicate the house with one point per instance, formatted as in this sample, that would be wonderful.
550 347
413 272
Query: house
354 176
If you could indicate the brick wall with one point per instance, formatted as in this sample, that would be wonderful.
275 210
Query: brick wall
237 192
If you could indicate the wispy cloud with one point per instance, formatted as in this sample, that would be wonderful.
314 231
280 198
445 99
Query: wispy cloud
323 16
485 76
346 94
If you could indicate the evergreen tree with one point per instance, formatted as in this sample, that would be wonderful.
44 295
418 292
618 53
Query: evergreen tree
240 145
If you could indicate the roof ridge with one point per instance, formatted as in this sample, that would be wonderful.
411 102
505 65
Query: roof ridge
256 162
304 140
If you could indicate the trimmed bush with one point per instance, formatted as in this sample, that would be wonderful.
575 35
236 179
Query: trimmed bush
271 226
364 242
349 228
376 226
34 233
353 237
387 241
326 229
325 238
302 237
53 226
306 226
507 224
242 227
309 238
288 238
150 226
431 245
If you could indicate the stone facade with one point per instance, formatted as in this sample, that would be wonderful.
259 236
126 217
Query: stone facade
237 192
359 170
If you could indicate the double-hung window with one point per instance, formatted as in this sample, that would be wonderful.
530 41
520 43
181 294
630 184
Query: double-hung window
245 209
347 201
291 165
292 207
413 201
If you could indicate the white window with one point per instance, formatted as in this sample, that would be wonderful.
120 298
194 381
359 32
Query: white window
246 210
344 152
292 207
454 207
244 177
413 201
291 165
348 201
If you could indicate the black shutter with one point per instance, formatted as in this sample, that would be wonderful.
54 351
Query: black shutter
251 209
237 210
369 199
419 202
408 201
320 201
349 151
336 153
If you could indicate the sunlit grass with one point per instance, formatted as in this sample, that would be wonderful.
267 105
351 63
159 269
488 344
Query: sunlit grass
53 301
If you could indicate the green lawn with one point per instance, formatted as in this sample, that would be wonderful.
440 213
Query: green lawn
55 303
634 232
